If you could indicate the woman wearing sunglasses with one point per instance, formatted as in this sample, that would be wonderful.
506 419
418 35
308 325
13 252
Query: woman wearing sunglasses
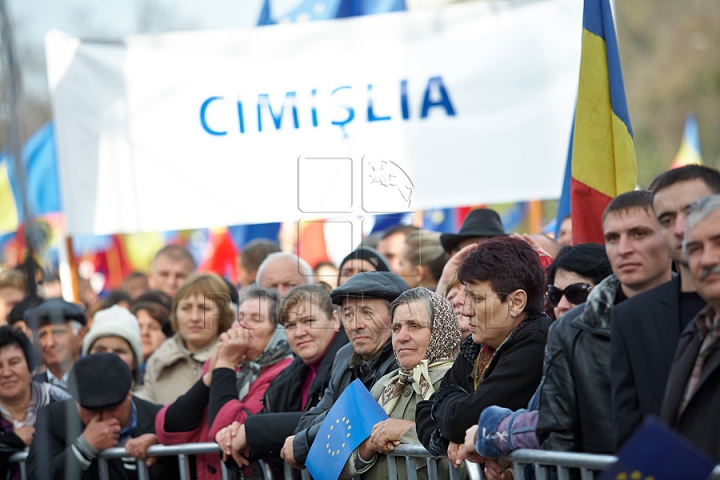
574 273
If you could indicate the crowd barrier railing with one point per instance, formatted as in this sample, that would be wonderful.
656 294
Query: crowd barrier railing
543 461
588 463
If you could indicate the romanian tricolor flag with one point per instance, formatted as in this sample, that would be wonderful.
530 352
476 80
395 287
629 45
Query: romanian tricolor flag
603 151
689 152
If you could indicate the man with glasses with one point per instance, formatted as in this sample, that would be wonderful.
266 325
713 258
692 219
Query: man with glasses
646 329
575 412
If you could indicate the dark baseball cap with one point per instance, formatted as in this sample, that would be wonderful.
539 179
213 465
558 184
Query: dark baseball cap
385 285
100 381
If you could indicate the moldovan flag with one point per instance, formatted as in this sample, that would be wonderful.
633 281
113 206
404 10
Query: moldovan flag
348 423
689 152
603 151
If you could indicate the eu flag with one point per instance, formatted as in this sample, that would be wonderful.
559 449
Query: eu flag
347 424
654 451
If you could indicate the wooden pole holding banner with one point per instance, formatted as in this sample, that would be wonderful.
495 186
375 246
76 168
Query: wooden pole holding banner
68 270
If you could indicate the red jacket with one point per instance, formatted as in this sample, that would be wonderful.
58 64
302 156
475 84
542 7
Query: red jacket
208 465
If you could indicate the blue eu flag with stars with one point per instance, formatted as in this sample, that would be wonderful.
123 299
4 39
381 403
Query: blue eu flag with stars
655 452
347 424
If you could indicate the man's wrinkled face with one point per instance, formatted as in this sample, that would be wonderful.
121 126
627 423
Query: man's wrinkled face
367 324
671 206
57 343
703 256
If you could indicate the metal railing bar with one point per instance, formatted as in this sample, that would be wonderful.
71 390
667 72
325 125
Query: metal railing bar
411 468
184 465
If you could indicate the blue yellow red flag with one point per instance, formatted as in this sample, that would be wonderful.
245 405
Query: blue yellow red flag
347 424
689 152
603 150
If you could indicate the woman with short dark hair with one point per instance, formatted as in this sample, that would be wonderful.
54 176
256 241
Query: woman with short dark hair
500 363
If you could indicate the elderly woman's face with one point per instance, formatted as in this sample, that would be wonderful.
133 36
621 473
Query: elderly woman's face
15 377
254 317
411 331
489 318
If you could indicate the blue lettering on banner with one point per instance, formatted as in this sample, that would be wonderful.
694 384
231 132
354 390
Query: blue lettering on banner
404 100
264 101
443 101
350 110
204 124
435 96
370 113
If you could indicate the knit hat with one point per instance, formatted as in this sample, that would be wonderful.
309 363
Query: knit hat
100 381
376 258
115 322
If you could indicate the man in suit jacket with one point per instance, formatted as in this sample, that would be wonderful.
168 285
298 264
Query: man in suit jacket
646 329
70 434
692 395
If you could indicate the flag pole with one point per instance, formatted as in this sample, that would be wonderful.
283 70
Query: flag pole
68 271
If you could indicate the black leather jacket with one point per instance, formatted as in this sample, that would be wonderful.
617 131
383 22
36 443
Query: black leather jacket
575 396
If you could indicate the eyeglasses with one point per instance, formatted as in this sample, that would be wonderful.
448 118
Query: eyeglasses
576 293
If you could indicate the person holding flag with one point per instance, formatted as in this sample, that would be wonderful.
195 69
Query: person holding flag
425 339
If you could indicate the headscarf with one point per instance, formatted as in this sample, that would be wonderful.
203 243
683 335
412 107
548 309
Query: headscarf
277 349
441 352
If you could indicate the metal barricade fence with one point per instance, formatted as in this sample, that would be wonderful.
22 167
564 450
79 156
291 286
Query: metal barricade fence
588 463
542 460
182 451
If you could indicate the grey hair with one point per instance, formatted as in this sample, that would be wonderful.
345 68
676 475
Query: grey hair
271 296
698 212
303 267
413 295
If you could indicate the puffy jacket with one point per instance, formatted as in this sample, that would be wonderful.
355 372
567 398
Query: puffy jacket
348 366
575 396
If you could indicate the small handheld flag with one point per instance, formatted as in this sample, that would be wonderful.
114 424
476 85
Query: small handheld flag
654 451
689 152
348 423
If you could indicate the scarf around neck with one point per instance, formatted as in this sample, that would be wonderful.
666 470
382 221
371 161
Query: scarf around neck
441 352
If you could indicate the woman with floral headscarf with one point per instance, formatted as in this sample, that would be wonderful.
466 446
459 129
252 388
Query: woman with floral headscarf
425 338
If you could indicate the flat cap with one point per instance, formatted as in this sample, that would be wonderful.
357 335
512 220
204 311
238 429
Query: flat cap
385 285
56 310
100 381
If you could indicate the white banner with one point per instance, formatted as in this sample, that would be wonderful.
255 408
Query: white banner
465 105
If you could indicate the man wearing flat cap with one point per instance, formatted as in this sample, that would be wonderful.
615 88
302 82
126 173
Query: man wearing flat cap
59 328
103 413
365 312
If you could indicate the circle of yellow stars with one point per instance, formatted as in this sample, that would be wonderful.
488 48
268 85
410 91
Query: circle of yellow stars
346 421
636 475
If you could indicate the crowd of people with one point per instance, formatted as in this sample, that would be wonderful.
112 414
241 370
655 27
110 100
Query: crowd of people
474 343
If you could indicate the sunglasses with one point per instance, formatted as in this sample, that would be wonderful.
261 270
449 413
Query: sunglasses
576 293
